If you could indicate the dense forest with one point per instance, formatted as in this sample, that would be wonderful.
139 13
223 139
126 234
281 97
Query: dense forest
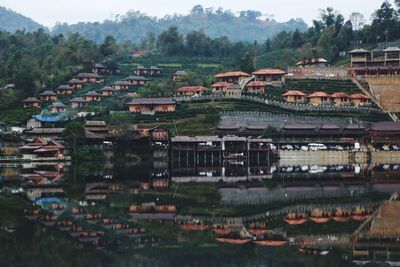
11 21
134 26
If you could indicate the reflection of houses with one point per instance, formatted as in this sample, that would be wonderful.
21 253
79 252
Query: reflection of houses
32 102
64 90
319 98
48 96
89 78
232 76
273 76
98 191
313 63
159 137
136 80
219 87
92 96
256 87
120 85
75 84
78 102
179 75
40 148
57 107
378 238
294 96
191 90
145 105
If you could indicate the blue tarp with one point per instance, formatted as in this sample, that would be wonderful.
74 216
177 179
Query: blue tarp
47 118
48 200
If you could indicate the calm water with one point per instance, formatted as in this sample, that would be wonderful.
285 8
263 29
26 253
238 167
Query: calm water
205 189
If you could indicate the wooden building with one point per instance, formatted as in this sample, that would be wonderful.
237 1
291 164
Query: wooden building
232 76
92 96
341 99
41 148
75 84
319 98
234 90
121 85
32 102
48 96
107 91
270 75
179 75
317 62
360 99
136 80
386 132
152 71
57 107
375 62
99 68
294 96
191 90
78 102
51 133
151 105
97 130
64 90
219 87
89 78
256 87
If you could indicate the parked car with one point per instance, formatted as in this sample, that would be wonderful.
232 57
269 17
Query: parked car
317 147
287 147
339 148
385 148
304 148
396 148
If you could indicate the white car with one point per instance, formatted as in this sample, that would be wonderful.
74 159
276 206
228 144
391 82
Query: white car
304 148
317 147
287 147
386 148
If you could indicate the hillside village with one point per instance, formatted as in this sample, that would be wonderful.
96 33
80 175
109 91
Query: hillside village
120 155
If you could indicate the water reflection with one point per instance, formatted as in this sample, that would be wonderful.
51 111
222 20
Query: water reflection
93 202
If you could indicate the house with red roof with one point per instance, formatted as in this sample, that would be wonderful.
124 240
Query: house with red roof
340 98
294 96
152 105
219 87
360 99
232 76
256 87
41 148
274 76
319 98
32 102
192 90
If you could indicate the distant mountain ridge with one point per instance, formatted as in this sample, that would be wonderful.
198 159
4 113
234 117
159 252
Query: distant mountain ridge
134 26
12 21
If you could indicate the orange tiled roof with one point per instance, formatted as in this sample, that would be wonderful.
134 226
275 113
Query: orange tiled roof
269 72
359 96
340 95
256 84
232 74
294 93
319 94
220 84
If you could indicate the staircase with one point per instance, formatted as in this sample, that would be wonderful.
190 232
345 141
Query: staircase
243 83
374 98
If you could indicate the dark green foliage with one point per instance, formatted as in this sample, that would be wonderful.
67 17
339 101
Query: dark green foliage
135 26
270 132
89 154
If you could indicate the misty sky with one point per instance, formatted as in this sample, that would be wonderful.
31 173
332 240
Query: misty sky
48 12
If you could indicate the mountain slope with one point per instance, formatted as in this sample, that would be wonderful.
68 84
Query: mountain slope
11 21
134 26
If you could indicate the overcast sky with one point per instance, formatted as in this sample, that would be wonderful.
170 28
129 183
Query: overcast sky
48 12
